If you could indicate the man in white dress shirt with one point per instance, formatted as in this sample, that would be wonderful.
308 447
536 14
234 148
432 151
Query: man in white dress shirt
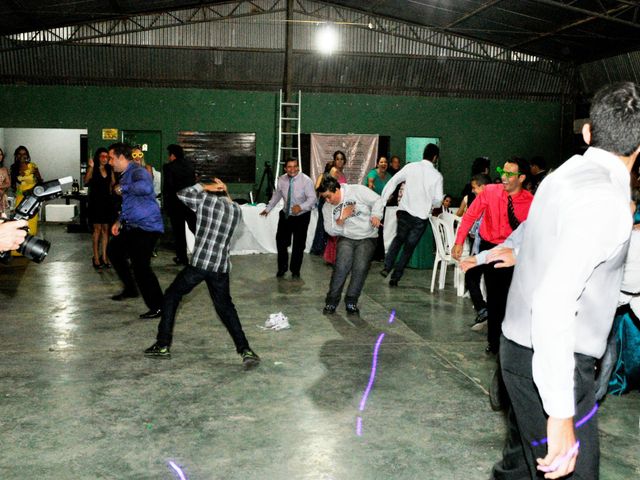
422 193
564 294
297 191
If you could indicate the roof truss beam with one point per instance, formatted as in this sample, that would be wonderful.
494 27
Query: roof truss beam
609 15
425 35
146 22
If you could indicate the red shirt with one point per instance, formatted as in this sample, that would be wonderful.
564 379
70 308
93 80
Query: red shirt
491 205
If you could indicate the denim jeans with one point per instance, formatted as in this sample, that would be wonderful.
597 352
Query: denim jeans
218 285
352 256
408 234
137 245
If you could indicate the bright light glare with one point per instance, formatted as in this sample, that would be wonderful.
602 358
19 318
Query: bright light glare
327 39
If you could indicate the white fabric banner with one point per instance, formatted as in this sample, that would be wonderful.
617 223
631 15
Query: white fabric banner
361 152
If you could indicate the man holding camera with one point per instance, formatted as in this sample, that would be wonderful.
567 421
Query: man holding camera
136 231
12 234
217 217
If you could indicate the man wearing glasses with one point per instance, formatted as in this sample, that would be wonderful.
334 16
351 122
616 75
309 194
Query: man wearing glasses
502 208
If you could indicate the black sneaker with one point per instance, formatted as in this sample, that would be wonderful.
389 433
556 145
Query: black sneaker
250 359
157 351
329 309
393 283
352 309
384 272
280 274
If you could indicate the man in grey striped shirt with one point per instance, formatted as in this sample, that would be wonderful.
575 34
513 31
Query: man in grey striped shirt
217 217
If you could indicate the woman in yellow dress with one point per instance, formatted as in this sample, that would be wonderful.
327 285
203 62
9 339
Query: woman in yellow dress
5 184
24 176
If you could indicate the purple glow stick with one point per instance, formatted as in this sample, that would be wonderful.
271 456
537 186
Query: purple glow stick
584 420
393 316
359 426
178 470
579 423
559 461
372 376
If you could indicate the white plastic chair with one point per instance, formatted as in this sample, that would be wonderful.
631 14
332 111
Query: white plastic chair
444 241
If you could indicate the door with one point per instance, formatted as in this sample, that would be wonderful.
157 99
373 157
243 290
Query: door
151 143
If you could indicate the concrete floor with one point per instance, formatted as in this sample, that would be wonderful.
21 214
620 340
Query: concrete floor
79 400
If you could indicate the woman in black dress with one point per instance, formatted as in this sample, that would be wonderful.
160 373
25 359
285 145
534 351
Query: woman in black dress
100 179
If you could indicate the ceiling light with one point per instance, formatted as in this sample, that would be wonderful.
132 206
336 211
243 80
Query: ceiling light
327 39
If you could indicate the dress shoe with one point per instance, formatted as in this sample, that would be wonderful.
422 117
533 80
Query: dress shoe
393 283
180 261
295 276
384 272
280 274
123 296
489 350
152 314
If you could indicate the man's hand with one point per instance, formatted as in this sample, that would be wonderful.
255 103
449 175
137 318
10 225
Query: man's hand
456 252
347 212
561 439
503 255
115 228
296 209
216 187
375 221
12 235
468 263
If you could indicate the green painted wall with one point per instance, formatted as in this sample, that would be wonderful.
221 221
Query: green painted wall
467 128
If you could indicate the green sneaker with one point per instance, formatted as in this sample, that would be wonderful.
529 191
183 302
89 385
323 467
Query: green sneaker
157 351
249 359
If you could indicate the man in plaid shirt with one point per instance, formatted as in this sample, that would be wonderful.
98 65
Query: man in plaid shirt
217 217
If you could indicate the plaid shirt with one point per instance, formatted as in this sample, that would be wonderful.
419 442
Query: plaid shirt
216 220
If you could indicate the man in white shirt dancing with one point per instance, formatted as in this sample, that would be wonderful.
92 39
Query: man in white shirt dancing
563 297
422 193
351 213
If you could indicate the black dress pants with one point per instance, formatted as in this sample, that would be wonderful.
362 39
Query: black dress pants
136 245
497 282
178 216
296 227
527 420
472 281
218 285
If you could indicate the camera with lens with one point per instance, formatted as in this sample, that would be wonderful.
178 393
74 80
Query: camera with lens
34 248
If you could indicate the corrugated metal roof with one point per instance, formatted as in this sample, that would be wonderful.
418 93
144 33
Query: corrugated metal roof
620 68
198 49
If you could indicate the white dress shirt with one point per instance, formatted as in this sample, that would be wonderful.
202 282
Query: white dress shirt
566 282
422 189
